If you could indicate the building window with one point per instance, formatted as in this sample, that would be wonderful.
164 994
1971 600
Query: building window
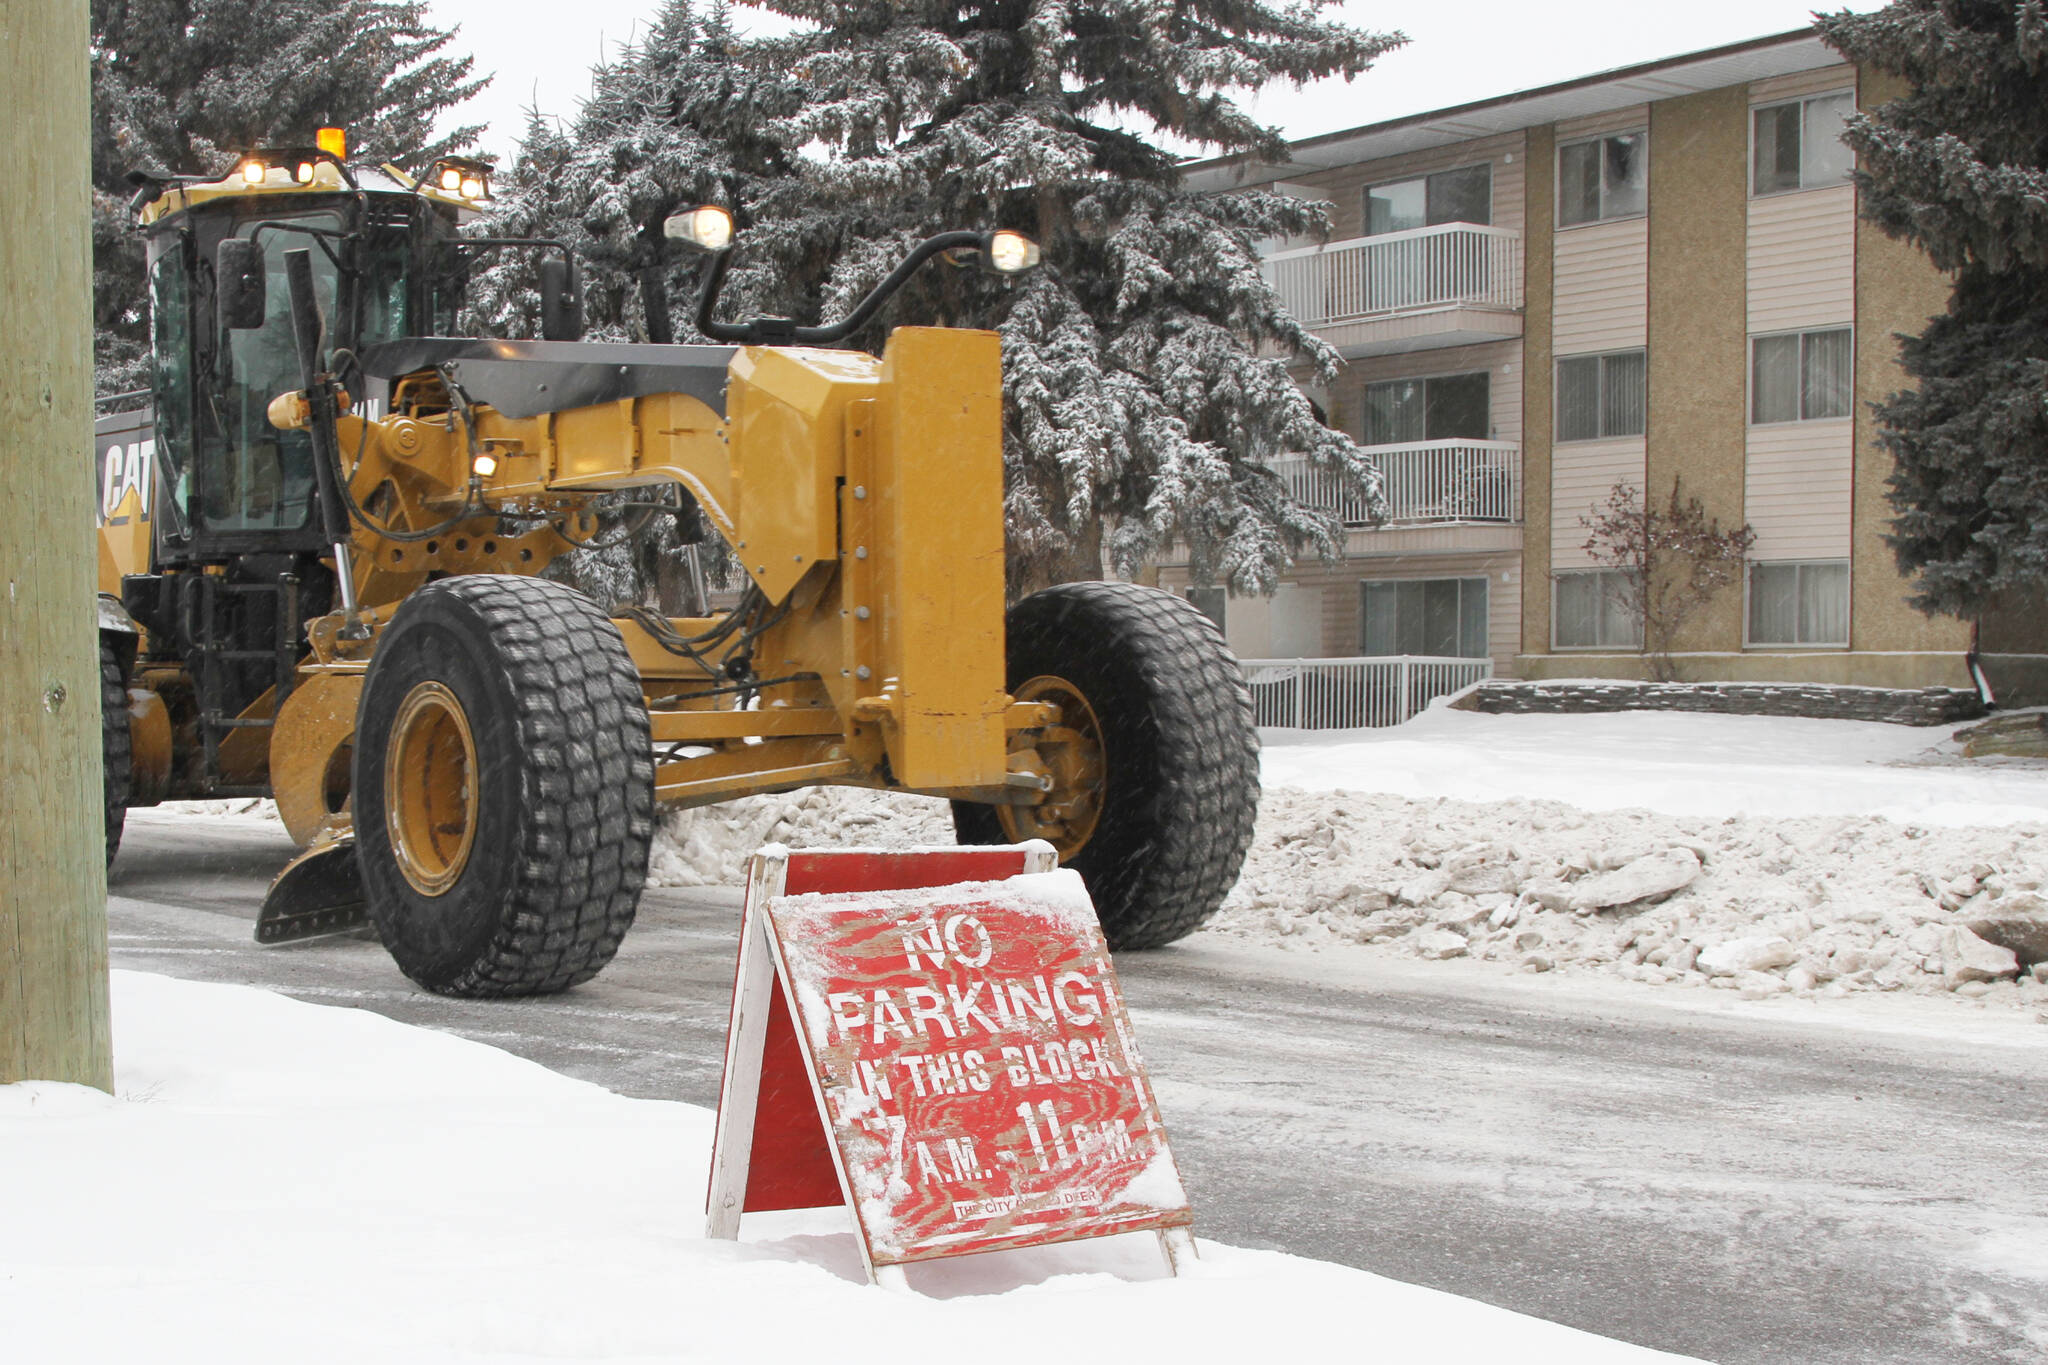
1799 376
1451 407
1591 609
1605 178
1429 617
1599 396
1461 196
1210 602
1799 603
1798 146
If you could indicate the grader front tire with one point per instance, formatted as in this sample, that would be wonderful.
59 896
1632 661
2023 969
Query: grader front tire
503 787
1155 762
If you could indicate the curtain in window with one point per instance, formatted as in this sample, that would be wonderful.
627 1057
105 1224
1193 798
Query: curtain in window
1776 152
1774 604
1799 603
1395 412
1593 611
1624 406
1824 159
1624 180
1578 398
1578 610
1433 617
1620 627
1824 604
1472 619
1774 379
1824 375
1578 183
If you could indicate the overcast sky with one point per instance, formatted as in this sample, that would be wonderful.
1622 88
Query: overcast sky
541 51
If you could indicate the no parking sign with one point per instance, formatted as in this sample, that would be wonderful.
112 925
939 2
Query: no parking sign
936 1039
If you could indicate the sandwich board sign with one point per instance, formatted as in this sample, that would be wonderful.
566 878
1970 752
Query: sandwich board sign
936 1039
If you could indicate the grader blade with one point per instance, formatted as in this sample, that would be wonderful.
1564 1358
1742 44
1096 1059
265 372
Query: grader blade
319 894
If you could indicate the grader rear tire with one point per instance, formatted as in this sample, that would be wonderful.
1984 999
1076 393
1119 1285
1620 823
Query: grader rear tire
116 747
503 787
1155 762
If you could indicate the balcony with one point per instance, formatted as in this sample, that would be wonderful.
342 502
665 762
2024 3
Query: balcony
1458 284
1425 483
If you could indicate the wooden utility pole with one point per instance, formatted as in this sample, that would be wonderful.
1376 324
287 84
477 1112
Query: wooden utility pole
53 889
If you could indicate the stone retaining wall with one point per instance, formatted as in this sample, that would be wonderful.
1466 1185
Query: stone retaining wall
1921 706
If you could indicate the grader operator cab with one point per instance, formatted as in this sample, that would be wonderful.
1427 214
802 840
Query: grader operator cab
321 573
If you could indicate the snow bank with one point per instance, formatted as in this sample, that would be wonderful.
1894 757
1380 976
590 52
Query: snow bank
282 1181
1825 905
1635 844
710 845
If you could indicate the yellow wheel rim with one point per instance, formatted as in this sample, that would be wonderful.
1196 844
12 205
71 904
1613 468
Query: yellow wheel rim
1071 753
430 797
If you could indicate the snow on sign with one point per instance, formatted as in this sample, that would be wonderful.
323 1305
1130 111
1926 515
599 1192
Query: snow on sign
944 1029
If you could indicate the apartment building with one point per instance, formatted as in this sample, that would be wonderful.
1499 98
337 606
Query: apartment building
1648 276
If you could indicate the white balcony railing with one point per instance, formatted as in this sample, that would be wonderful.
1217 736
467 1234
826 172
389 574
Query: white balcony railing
1349 694
1423 482
1398 272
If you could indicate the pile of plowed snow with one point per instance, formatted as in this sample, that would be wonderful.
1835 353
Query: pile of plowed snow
1825 905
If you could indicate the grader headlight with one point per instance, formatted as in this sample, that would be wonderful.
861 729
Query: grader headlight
706 227
460 175
1010 253
253 171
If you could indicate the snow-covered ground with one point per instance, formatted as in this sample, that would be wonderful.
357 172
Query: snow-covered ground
283 1181
1678 764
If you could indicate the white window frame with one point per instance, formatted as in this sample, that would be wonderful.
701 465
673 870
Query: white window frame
1749 170
1602 356
1749 376
1848 613
1557 648
1557 179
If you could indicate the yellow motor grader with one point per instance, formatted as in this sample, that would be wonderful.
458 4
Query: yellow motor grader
321 554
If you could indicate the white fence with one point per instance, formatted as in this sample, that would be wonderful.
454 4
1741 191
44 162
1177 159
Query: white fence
1347 694
1423 481
1398 272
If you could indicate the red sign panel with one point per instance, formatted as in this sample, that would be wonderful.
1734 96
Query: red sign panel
974 1065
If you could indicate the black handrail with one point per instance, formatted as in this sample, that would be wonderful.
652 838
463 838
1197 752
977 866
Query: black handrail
782 331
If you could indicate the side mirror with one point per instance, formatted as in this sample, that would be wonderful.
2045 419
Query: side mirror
561 300
238 284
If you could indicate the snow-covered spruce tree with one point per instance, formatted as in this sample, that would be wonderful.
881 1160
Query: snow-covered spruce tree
1147 362
674 121
1959 167
180 85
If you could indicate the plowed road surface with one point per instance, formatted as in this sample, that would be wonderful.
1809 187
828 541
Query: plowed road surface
1743 1183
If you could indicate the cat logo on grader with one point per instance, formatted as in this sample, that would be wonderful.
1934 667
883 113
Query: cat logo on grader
321 554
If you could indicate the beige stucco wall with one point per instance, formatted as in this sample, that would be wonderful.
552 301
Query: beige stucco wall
1538 237
1698 322
1897 290
1934 669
